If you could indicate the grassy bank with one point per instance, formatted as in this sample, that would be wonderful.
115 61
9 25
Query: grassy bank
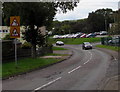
55 54
115 48
75 41
58 48
25 65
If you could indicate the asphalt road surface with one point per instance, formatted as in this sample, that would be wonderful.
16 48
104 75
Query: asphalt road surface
83 71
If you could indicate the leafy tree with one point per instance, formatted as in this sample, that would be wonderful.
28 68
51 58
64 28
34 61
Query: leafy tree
96 22
66 28
7 37
115 27
35 14
79 26
97 19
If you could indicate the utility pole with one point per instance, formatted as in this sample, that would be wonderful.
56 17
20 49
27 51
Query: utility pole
105 22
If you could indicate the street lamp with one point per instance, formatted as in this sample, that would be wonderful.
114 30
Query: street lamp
105 21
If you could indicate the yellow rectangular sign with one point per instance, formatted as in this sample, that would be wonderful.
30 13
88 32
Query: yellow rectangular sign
15 32
15 21
15 27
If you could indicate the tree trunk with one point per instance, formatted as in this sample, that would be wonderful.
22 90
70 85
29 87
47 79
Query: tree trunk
33 50
33 41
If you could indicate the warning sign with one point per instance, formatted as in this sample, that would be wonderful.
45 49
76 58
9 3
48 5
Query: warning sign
15 32
15 27
15 21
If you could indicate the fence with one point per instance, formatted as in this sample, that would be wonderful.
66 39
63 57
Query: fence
113 41
8 53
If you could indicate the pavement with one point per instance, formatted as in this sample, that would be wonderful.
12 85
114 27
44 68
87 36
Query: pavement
111 80
68 54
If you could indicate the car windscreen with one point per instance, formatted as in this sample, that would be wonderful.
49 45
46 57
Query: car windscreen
87 43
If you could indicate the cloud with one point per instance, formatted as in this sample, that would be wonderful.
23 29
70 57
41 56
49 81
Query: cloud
85 7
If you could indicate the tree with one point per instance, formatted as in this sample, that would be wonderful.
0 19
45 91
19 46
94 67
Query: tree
35 14
96 22
65 29
115 27
79 26
7 37
100 19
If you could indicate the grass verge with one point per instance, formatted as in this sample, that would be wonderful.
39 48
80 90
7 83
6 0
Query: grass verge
115 48
59 48
55 54
25 65
76 40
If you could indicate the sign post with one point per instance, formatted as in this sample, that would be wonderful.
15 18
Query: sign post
15 51
15 32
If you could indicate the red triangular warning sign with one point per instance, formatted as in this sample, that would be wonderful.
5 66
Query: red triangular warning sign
15 22
15 33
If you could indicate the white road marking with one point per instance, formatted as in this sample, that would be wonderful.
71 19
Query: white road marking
115 59
86 62
89 59
47 84
74 69
81 66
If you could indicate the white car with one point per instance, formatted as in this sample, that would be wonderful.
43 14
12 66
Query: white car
55 36
103 33
59 43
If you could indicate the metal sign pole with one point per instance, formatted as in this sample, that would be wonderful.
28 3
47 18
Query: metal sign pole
16 52
15 32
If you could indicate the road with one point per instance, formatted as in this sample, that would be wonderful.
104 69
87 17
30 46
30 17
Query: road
83 71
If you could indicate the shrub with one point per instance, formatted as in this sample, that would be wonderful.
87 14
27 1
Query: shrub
26 45
7 37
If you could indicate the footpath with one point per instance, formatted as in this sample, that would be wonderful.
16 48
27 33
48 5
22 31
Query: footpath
111 80
66 54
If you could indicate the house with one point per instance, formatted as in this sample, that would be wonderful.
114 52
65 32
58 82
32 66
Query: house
4 30
42 30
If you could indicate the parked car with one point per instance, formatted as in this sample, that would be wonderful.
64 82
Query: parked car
83 36
55 36
90 35
86 45
103 33
97 33
114 40
59 43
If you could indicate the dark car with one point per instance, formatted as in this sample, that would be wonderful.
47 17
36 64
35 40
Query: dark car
86 45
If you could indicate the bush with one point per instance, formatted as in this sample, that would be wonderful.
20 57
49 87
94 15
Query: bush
48 45
7 37
26 45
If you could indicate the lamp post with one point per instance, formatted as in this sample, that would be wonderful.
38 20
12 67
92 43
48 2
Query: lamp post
105 21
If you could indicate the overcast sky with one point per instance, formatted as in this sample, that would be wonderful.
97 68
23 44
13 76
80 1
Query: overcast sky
85 7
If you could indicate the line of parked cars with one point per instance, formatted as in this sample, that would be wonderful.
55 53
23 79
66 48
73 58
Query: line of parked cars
114 40
77 35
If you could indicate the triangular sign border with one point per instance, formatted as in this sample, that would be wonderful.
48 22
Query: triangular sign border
13 21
